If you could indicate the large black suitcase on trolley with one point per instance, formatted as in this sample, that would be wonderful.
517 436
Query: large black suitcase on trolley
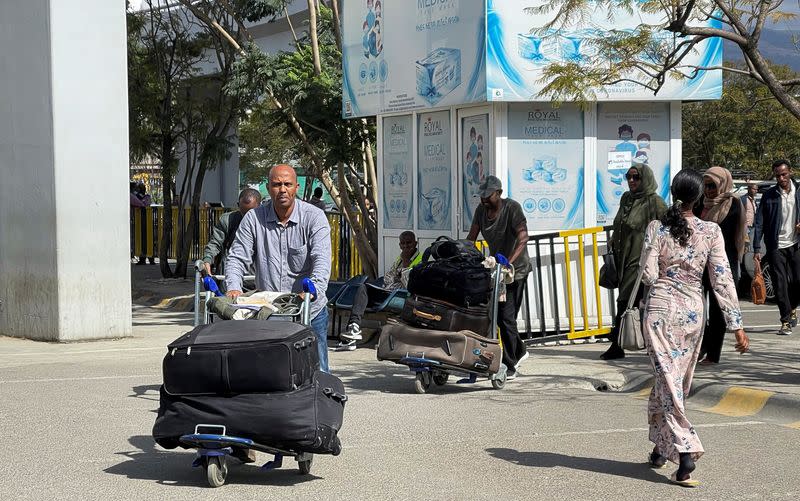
421 311
460 280
241 356
307 419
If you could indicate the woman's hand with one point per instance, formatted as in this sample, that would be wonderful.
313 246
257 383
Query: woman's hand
742 341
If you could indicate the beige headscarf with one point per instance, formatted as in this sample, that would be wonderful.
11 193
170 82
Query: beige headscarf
716 209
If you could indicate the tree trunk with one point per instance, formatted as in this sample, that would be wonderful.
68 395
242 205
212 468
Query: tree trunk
167 173
312 29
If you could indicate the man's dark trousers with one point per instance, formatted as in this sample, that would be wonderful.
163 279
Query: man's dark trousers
513 346
785 271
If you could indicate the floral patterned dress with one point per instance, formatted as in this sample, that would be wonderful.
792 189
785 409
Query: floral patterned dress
673 321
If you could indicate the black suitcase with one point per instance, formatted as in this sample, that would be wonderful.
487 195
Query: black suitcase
307 419
241 356
463 281
431 313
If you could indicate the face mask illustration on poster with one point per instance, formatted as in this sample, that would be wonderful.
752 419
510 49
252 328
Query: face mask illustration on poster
433 175
398 195
629 135
545 151
475 163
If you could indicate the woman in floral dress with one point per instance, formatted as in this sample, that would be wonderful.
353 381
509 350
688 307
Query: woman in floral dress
676 251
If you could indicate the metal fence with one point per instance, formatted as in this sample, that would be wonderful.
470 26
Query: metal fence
569 301
146 224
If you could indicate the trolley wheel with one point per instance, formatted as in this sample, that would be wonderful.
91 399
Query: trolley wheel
499 383
216 470
305 466
422 382
440 378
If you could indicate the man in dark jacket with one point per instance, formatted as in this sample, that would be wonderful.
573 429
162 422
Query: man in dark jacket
225 231
778 221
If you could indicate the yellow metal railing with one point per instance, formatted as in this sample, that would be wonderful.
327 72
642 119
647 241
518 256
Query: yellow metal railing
146 237
589 329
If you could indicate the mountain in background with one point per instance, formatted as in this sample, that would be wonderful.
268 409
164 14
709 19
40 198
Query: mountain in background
776 45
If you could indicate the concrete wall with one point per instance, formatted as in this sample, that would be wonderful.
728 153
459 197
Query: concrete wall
64 255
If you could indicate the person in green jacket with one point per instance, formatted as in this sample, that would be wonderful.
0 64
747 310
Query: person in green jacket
638 206
225 231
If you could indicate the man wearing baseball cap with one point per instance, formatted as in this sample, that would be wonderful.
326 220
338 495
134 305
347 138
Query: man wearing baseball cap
503 225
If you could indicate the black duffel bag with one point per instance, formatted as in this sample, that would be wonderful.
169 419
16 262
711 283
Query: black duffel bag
445 247
460 280
307 419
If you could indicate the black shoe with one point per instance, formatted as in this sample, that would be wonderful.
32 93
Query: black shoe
613 353
511 375
656 460
683 476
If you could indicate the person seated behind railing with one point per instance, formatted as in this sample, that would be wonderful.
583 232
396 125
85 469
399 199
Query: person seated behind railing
317 200
224 232
395 278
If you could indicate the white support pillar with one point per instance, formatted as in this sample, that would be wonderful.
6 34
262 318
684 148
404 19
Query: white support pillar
64 210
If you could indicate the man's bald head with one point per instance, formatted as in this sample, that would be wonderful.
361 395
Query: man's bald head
282 170
282 189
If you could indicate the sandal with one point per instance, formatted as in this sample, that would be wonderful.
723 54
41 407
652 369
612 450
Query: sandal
682 476
688 482
656 460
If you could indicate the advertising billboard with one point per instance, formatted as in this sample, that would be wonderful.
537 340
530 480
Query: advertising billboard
517 51
415 54
545 166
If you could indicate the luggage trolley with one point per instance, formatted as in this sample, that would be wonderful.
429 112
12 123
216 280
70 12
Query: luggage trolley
211 441
432 371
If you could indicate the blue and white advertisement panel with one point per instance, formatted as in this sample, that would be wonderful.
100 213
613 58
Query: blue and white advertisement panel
475 161
434 185
517 52
545 167
410 55
398 193
629 134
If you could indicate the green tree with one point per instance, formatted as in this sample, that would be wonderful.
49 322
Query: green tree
746 130
178 111
638 56
301 90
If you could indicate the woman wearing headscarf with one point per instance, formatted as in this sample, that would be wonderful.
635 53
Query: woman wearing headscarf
638 206
719 205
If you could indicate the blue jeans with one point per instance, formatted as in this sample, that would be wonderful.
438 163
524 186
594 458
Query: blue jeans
320 327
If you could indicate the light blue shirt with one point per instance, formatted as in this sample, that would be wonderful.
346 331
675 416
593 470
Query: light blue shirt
283 255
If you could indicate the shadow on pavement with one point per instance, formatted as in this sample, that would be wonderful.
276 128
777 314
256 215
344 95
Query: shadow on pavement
638 471
174 468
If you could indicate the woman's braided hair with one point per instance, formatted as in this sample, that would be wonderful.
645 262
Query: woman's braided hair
686 189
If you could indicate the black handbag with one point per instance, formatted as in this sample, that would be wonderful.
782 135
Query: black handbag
608 273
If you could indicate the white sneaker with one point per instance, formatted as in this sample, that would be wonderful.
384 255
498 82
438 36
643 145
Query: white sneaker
352 333
524 358
348 346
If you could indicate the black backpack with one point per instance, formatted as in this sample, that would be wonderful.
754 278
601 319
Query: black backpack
456 274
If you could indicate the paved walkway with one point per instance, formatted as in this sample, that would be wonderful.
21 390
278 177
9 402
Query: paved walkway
765 381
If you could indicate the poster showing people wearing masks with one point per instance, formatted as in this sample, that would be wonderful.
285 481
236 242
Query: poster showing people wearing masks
629 134
545 170
434 192
475 163
398 195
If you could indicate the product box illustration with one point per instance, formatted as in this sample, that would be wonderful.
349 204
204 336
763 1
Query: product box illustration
551 46
544 169
438 74
538 48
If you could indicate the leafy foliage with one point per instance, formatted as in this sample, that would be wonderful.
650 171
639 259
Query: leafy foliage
315 100
744 131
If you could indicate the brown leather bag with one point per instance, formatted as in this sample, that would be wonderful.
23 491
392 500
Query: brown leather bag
758 291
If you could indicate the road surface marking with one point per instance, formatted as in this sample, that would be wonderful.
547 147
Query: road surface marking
740 402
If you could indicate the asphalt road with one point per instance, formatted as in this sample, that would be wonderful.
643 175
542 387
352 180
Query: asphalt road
78 418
